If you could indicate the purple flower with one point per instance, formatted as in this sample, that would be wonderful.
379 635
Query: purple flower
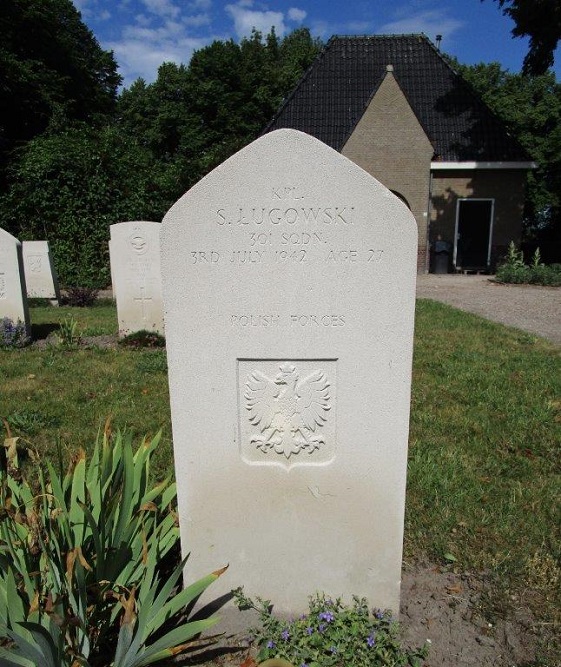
303 665
333 649
309 630
371 641
328 602
321 627
270 644
379 613
285 635
326 616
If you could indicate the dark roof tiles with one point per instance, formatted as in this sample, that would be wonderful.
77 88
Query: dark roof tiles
334 93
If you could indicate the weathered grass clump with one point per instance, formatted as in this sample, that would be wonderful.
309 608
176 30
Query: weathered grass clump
143 338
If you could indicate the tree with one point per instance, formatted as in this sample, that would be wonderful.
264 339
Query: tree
540 20
76 166
53 71
196 116
531 108
69 187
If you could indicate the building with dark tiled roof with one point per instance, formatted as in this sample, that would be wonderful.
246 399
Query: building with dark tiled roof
393 105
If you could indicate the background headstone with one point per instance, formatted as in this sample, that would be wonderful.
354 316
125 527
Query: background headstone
134 250
113 288
40 274
289 290
13 301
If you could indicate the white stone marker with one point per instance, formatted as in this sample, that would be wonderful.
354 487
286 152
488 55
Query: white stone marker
40 275
134 251
13 301
289 290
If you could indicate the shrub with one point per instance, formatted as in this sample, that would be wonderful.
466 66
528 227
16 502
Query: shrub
80 582
514 270
68 187
545 275
80 297
143 338
12 334
330 635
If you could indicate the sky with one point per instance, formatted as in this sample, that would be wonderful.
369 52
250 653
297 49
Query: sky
145 33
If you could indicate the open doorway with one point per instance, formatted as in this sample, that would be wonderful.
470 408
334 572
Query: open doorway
474 233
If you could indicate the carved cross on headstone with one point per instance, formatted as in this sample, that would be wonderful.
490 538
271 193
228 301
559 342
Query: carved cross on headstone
143 299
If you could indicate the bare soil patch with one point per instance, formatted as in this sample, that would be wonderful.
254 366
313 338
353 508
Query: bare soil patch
449 610
446 608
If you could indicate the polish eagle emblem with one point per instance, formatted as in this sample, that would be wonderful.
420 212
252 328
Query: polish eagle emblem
288 411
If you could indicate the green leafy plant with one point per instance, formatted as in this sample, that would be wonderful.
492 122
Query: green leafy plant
514 270
12 334
68 334
330 635
80 557
542 274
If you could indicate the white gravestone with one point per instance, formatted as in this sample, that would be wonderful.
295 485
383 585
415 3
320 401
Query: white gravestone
13 301
289 290
134 250
40 274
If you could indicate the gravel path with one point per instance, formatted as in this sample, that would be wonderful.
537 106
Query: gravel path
529 307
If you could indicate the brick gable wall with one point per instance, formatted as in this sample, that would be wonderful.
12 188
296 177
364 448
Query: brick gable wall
389 143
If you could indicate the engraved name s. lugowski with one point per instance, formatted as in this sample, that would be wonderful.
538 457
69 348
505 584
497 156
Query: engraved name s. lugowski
287 412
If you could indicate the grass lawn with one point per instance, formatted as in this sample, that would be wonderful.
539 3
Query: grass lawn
484 479
58 399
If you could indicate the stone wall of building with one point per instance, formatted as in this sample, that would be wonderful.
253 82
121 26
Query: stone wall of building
390 144
505 187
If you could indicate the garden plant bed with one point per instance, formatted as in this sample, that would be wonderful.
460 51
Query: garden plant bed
449 609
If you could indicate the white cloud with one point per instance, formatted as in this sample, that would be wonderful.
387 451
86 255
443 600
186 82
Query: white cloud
431 22
142 49
358 28
162 8
80 4
196 20
245 19
200 4
137 58
143 20
87 8
297 15
319 26
105 15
